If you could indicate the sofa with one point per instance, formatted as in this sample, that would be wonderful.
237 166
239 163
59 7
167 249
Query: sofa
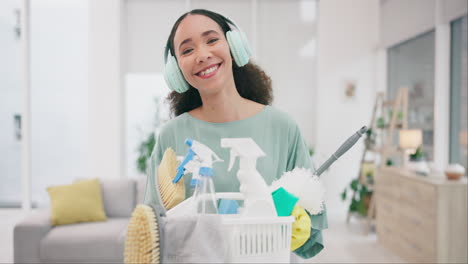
36 241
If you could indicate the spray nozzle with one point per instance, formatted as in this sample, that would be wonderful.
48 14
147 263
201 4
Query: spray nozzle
243 147
205 157
181 167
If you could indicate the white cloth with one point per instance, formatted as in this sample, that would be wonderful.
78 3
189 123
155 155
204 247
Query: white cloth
194 239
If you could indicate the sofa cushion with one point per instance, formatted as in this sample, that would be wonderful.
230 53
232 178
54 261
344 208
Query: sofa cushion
85 242
118 196
78 202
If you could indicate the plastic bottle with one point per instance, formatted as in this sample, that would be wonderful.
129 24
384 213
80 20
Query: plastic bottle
257 196
193 167
200 156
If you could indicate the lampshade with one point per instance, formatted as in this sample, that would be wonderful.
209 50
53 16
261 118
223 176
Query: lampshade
410 138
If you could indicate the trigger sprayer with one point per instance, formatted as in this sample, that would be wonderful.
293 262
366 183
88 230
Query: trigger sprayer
200 157
258 200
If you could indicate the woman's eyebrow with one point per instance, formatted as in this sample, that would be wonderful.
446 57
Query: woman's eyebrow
204 34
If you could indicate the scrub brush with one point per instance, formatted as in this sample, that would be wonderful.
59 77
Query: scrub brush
306 186
171 193
142 244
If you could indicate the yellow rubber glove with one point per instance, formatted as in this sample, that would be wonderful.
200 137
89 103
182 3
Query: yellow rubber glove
300 228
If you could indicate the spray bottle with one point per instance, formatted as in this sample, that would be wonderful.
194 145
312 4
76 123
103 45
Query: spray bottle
200 156
257 196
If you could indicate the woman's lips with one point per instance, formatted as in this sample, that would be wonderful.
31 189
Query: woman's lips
209 72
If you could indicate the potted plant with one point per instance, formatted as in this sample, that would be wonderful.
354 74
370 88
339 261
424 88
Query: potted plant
418 163
145 149
360 199
381 120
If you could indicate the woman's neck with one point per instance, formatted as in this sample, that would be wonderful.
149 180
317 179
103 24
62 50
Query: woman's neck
225 106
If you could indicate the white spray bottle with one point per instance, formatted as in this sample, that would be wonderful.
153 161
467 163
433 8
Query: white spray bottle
204 192
257 195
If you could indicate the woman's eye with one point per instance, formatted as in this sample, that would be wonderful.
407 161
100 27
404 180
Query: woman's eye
212 40
187 51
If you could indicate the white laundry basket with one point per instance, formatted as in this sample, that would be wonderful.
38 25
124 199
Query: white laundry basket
256 239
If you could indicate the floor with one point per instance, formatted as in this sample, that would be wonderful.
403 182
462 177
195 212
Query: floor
344 243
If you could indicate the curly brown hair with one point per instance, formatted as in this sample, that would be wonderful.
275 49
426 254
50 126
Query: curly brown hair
251 81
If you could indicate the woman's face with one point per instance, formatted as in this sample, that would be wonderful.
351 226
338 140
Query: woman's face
203 53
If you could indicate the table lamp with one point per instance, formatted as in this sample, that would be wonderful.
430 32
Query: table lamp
409 141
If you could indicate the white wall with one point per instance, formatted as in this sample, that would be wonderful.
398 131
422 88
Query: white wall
403 19
347 42
58 94
105 96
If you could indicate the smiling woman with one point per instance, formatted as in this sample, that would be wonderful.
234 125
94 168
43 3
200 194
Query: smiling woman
205 44
219 93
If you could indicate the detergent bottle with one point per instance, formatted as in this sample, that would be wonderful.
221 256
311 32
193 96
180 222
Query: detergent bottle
257 196
200 157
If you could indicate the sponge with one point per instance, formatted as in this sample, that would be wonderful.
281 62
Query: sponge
171 193
300 228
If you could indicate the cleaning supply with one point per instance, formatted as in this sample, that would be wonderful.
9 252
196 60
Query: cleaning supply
284 201
142 244
301 228
304 185
195 239
258 200
228 206
171 193
204 194
193 167
341 150
314 244
285 204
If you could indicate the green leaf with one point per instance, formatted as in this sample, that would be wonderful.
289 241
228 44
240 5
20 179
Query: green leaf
363 190
381 122
389 162
361 208
145 149
353 207
354 185
400 115
344 194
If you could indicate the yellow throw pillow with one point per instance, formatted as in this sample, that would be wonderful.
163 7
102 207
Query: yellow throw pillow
78 202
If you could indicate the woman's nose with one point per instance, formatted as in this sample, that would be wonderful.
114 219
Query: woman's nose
203 55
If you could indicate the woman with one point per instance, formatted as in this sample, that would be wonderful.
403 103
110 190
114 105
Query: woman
220 94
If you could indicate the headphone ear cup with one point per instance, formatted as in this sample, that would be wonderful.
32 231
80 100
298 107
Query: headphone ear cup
239 49
246 44
174 78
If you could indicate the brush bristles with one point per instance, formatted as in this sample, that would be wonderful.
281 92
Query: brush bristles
142 240
171 193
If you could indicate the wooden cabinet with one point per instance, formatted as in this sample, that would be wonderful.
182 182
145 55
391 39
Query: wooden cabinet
420 218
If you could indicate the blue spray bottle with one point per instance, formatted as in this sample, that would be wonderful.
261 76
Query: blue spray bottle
200 156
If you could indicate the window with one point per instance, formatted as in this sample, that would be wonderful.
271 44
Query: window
459 92
411 65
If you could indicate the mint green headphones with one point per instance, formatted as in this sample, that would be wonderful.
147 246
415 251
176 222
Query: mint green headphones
238 46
